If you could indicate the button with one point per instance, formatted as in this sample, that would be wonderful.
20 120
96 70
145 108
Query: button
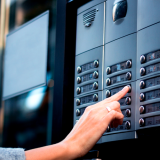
141 122
128 64
79 69
78 112
78 80
95 97
127 125
95 74
108 128
128 112
95 85
96 63
108 81
142 71
128 76
142 59
142 97
141 109
108 70
142 84
129 86
108 93
128 100
78 90
78 102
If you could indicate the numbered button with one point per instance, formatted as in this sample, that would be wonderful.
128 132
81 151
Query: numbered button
96 63
108 93
142 71
142 59
78 112
79 69
108 81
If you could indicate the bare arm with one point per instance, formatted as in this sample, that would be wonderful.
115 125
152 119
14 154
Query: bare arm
87 131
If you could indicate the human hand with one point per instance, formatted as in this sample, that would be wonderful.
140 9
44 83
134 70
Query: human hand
92 124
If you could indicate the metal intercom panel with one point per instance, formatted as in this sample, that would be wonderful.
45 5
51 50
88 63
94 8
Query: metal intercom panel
121 19
129 55
90 28
88 73
25 59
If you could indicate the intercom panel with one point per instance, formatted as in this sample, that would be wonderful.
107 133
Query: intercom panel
127 105
88 72
120 61
148 102
90 28
148 51
148 13
121 19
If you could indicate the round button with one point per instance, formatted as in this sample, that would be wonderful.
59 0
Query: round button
127 125
141 109
108 70
128 100
95 97
78 80
108 128
142 84
78 112
128 76
141 122
129 86
78 90
78 102
96 63
142 71
95 74
142 59
108 81
128 112
108 93
95 85
142 97
128 64
79 69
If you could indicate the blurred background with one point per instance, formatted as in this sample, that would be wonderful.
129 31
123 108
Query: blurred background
44 115
26 120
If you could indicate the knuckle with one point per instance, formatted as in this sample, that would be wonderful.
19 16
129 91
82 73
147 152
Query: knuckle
117 104
88 108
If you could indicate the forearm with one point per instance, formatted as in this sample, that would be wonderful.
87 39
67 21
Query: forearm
57 151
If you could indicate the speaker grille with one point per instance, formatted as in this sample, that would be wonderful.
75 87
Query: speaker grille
89 17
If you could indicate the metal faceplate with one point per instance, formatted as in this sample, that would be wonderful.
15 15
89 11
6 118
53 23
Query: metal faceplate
147 44
90 29
148 13
117 27
120 51
85 59
151 102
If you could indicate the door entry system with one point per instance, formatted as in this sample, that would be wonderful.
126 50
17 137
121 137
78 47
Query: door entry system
118 45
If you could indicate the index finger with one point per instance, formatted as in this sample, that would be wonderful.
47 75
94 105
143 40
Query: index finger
120 94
